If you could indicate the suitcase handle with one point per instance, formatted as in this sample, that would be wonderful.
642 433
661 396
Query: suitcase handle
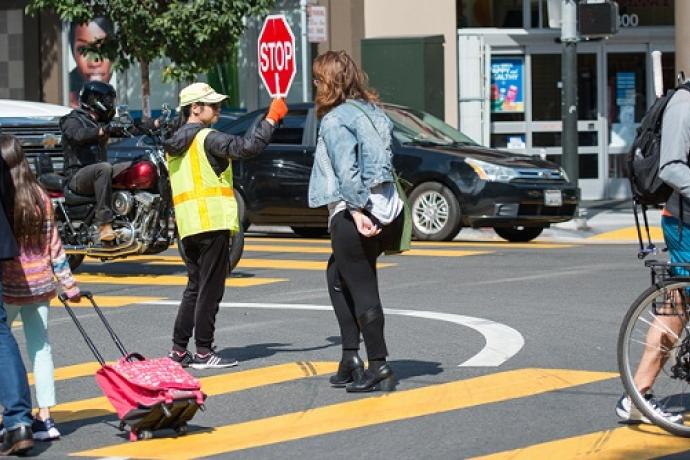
65 301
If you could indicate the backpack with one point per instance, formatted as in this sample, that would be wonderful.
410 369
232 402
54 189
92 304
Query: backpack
644 155
643 166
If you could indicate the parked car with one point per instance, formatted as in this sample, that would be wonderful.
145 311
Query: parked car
453 181
36 126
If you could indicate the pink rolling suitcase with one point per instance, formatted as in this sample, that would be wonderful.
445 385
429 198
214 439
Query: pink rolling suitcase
147 394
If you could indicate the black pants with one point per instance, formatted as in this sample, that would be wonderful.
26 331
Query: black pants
97 179
206 258
353 283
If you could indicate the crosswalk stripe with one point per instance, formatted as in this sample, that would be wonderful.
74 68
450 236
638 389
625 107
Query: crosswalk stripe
327 250
214 385
391 407
428 244
628 234
167 280
284 264
108 301
640 442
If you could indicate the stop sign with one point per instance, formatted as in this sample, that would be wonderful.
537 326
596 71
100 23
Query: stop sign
277 55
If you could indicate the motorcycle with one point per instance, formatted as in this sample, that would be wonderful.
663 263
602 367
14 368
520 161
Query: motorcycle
144 220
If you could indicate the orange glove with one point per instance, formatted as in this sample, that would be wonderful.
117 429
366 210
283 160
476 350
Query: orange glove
277 110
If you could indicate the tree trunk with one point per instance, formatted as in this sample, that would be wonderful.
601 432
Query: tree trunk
145 89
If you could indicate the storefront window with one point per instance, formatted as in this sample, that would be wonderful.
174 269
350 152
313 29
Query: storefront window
489 13
588 164
546 93
539 14
627 83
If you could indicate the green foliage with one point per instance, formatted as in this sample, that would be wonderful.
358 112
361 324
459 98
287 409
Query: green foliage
196 35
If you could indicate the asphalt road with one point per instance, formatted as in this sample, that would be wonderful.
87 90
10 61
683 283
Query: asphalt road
502 350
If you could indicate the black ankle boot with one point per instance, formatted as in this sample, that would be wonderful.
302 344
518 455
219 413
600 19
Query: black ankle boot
380 378
17 442
348 370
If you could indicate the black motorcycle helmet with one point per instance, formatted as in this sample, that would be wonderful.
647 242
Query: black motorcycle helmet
99 98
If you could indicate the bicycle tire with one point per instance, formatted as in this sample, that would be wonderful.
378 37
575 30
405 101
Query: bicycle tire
628 340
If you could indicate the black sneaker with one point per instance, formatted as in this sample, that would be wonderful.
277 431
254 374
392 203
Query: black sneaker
184 359
17 442
45 430
212 361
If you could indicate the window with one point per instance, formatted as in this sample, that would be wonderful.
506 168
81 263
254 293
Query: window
291 129
636 13
237 127
546 93
489 13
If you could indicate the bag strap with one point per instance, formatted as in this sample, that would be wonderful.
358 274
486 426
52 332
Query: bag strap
357 106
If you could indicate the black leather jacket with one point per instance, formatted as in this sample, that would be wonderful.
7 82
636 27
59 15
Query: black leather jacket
81 142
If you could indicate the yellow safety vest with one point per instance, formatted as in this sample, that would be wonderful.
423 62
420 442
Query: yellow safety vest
203 201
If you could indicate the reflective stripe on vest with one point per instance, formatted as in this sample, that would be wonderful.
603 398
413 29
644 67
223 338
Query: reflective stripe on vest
203 201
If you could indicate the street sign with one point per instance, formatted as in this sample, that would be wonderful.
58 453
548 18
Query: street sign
276 45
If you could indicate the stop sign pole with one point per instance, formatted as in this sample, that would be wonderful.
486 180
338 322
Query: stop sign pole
276 52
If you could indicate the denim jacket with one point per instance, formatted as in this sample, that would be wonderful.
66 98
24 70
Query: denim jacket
351 156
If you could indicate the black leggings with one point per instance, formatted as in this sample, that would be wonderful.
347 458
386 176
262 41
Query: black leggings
353 283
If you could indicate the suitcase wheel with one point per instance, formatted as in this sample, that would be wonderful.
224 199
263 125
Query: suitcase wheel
145 434
182 429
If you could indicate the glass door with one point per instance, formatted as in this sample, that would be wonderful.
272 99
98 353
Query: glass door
628 93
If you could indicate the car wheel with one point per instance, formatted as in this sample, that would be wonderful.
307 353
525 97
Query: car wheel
435 212
241 211
74 260
310 232
518 234
236 249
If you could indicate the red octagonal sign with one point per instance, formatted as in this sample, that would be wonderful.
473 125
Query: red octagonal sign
277 55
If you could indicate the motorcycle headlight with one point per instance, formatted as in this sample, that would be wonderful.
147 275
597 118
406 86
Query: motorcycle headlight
491 172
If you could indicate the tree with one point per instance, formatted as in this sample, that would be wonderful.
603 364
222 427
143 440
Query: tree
194 34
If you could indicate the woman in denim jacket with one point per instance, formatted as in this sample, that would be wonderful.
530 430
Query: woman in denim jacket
352 175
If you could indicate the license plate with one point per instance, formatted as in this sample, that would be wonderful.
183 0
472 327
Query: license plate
553 198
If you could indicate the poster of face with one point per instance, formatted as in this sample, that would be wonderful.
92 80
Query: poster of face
84 68
507 84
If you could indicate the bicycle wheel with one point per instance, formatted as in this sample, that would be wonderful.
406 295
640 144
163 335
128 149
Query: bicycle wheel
660 312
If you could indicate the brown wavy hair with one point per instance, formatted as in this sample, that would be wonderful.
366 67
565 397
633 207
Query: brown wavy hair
338 78
29 210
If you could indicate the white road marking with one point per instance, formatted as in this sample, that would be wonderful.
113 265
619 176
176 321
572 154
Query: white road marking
502 342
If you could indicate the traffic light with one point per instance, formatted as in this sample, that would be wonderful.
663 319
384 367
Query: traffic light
596 20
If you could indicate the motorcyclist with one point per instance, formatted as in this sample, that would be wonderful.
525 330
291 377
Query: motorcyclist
85 135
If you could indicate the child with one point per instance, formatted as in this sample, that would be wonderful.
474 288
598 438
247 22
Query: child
29 279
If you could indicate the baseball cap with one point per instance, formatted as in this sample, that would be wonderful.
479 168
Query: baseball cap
200 92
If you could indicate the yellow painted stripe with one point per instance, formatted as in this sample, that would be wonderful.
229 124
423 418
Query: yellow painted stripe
284 264
324 250
72 372
638 442
168 280
215 385
628 234
107 301
391 407
425 244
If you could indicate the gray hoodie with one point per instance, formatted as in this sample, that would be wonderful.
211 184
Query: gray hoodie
675 146
221 148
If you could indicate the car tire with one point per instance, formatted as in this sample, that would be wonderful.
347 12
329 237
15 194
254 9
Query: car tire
518 234
242 211
236 249
74 260
436 212
310 232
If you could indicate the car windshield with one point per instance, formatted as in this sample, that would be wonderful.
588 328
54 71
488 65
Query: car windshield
416 127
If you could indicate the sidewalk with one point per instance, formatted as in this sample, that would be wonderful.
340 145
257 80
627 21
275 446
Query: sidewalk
603 222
